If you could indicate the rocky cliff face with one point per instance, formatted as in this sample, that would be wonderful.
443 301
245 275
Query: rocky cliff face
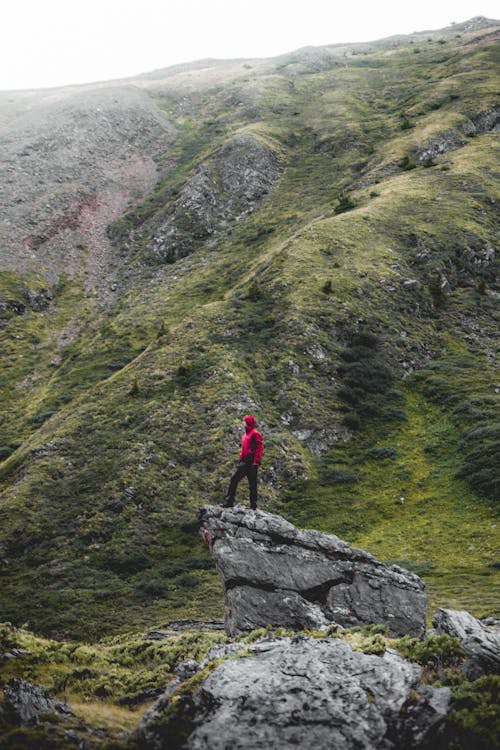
280 691
275 574
222 189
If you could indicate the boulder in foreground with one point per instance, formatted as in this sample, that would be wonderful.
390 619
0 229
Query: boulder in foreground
299 692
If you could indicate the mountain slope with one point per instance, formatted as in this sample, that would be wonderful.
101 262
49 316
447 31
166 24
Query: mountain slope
318 246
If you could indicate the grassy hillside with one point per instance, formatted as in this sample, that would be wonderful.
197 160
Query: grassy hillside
349 303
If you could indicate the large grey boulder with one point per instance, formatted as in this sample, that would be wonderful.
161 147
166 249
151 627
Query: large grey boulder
481 645
300 692
275 574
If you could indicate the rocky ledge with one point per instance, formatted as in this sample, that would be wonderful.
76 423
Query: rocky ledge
276 574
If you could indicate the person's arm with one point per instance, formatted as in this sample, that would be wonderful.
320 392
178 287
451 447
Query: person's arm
259 448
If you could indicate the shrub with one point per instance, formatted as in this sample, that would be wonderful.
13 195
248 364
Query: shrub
42 417
407 163
472 722
5 452
352 421
356 352
134 389
435 652
366 379
452 380
327 287
334 475
405 122
373 645
383 453
344 203
396 414
123 561
365 338
154 586
370 375
187 580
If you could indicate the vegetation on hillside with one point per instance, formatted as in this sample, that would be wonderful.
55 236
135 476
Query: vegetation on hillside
351 308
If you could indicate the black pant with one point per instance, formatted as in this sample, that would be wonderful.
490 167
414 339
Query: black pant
243 470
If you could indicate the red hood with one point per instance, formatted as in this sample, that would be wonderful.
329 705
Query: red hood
249 421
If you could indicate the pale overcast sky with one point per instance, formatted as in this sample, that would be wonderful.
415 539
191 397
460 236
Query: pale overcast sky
58 42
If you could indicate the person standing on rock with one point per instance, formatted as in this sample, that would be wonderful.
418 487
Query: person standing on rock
252 447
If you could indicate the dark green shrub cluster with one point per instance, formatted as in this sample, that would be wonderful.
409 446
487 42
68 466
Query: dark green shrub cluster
435 652
8 639
473 722
181 573
366 381
344 203
333 475
327 287
404 122
192 373
481 450
397 415
407 163
5 451
42 417
382 453
454 381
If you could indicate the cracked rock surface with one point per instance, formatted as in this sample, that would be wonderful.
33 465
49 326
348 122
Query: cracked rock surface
275 574
303 692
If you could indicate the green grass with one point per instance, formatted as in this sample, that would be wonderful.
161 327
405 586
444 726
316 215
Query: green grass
412 510
108 684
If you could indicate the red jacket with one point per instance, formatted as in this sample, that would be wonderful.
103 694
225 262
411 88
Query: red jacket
252 445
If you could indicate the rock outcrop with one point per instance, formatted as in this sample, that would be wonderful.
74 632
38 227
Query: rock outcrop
26 702
299 692
481 645
222 189
275 574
